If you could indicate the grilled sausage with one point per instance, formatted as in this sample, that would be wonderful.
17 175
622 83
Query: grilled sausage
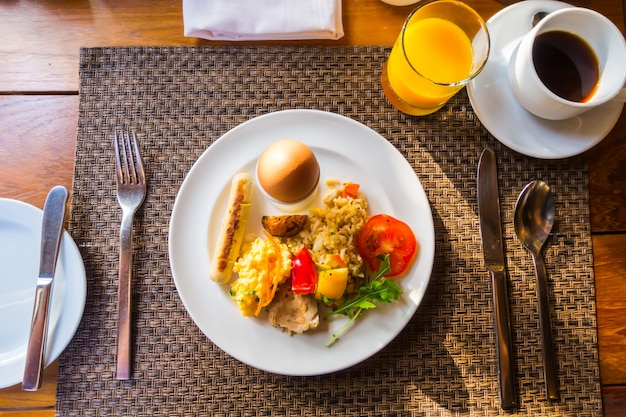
232 229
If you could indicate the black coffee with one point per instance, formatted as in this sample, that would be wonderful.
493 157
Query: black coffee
566 64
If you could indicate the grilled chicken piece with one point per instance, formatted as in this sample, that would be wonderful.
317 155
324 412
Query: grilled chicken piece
295 313
284 226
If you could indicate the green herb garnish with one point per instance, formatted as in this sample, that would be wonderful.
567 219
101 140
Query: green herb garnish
378 289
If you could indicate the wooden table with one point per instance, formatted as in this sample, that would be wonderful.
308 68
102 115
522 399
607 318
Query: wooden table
39 52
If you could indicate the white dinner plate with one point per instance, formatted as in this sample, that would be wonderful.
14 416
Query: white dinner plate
501 114
20 245
347 151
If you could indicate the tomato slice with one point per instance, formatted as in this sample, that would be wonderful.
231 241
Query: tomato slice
303 273
383 234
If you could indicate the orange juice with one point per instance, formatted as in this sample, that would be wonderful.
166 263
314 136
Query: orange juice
443 45
439 53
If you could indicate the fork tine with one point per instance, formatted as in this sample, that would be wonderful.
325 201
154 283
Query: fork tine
131 163
118 163
140 176
129 167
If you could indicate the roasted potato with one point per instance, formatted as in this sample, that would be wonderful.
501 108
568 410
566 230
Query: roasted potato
284 226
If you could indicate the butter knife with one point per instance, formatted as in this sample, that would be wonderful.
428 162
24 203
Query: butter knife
51 232
493 252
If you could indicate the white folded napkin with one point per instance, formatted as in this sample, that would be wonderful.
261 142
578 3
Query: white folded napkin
238 20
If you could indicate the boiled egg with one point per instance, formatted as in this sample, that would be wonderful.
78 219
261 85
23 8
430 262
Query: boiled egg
288 171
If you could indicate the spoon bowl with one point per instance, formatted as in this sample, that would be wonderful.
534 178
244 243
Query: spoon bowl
534 218
537 17
534 215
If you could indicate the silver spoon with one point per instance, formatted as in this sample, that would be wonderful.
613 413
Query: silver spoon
534 217
537 17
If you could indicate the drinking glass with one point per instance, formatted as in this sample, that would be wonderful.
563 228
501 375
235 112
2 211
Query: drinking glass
442 46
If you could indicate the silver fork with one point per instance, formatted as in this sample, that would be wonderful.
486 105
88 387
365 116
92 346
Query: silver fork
131 190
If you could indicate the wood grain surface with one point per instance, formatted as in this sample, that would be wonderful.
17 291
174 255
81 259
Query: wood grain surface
39 55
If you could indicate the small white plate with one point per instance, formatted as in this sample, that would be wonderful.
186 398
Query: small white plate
20 244
347 151
500 113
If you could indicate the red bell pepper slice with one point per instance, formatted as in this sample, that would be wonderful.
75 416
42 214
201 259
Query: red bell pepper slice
303 273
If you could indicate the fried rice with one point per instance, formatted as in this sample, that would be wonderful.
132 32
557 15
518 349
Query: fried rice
332 231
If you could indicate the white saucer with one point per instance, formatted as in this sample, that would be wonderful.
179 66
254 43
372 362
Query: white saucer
20 242
497 109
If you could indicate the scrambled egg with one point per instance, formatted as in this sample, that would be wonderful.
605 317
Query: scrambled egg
261 270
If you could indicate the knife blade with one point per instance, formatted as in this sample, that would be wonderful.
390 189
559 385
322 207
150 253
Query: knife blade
51 232
493 252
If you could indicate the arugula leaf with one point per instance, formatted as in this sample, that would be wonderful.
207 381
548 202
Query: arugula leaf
377 289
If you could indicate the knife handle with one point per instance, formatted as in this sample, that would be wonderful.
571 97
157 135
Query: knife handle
33 368
504 344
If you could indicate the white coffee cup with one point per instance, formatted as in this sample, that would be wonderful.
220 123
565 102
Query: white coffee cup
544 95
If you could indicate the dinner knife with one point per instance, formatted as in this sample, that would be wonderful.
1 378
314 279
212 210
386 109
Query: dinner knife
493 252
51 232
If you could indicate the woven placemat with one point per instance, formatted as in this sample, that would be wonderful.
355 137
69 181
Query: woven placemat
182 99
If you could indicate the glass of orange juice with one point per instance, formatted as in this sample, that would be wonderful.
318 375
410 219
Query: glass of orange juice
442 46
